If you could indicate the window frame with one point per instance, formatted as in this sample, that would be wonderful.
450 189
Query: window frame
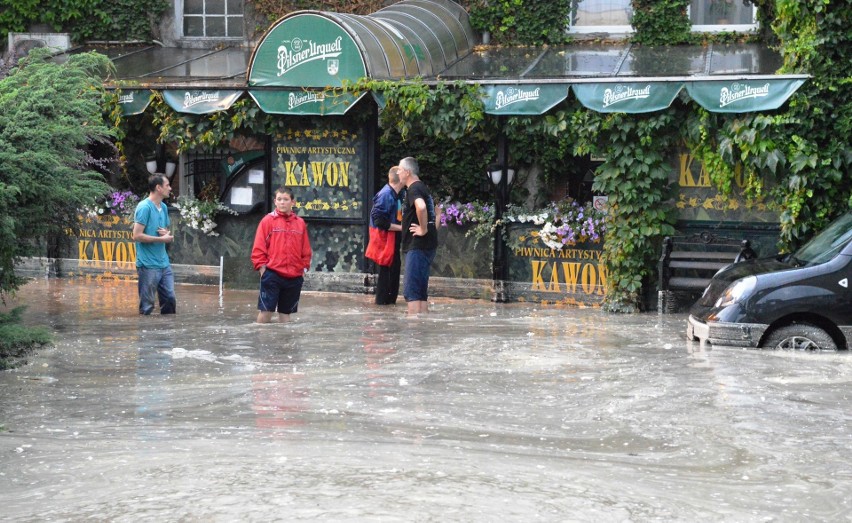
179 16
726 28
695 28
591 29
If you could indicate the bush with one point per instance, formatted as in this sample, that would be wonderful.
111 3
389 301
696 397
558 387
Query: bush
18 341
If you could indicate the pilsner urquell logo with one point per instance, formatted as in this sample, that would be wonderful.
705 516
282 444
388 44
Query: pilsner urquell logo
300 52
622 93
297 99
513 95
126 98
190 99
739 92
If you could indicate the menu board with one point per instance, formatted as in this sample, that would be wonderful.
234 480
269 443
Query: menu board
324 161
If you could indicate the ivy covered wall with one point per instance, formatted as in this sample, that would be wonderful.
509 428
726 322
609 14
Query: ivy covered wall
84 19
803 149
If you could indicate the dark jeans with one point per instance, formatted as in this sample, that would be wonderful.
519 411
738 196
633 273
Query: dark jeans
159 283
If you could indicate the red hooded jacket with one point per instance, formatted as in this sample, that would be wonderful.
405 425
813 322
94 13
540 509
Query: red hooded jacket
282 244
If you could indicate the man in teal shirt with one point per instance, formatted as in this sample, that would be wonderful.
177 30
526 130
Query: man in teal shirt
151 234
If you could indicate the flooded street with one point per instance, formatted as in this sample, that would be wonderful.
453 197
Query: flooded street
474 412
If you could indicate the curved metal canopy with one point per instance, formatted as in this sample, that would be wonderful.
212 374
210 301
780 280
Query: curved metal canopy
313 49
307 52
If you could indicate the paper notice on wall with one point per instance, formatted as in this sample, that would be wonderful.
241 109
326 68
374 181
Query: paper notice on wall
241 196
255 176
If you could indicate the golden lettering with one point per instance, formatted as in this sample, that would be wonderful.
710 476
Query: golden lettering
109 250
304 181
330 174
127 252
554 280
590 278
537 279
316 171
602 280
570 272
99 254
290 174
284 149
686 179
703 178
546 277
106 233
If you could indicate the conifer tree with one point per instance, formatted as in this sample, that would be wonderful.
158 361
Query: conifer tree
51 116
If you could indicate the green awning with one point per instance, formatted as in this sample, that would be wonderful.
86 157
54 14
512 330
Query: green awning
236 161
432 41
134 101
304 102
742 96
719 96
627 97
527 99
318 49
200 101
308 50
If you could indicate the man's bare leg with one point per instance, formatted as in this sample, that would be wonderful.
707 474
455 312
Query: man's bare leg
416 307
264 316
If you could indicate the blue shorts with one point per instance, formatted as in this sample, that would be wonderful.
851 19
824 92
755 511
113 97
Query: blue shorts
279 293
417 264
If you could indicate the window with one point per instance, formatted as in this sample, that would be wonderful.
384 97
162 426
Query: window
601 16
237 179
213 18
616 16
246 192
722 15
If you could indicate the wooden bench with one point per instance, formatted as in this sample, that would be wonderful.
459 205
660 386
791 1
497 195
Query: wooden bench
688 263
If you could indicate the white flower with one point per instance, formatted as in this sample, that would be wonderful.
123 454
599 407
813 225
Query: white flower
200 215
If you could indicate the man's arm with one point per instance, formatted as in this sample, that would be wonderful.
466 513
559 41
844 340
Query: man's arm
422 225
259 251
165 236
307 253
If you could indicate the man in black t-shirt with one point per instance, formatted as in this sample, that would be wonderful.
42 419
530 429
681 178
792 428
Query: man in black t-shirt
419 236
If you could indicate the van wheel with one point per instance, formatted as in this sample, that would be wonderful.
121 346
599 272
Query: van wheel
800 336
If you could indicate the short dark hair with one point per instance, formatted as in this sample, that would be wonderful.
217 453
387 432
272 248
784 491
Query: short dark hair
285 190
393 174
156 180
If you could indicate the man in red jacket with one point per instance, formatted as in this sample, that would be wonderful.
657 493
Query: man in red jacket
282 254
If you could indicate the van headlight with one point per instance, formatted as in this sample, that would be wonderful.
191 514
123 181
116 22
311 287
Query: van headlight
736 291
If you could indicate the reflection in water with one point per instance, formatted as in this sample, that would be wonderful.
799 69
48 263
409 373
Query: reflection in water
152 387
279 400
378 351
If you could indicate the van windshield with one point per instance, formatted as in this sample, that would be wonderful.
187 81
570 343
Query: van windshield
827 244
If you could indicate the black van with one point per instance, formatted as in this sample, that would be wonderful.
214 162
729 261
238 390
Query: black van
800 301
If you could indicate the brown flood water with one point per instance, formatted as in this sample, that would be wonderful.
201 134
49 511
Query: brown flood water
474 412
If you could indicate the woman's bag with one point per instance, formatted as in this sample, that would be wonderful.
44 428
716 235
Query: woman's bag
381 246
